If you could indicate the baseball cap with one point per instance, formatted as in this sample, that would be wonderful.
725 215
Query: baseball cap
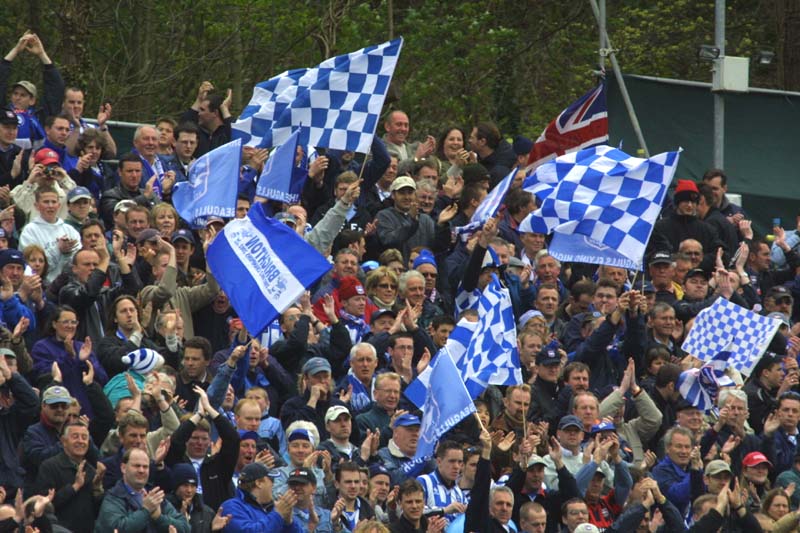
147 235
335 411
123 205
315 365
590 317
779 291
182 235
56 394
401 182
381 312
425 257
11 256
46 156
755 458
406 420
77 193
285 217
8 117
548 356
536 460
214 220
28 86
660 258
783 317
586 528
697 272
183 473
603 426
302 475
570 421
255 471
717 466
248 435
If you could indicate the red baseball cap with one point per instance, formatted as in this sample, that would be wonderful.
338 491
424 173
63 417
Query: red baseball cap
46 156
755 458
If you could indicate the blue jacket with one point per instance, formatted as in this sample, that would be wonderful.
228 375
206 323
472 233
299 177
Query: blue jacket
680 486
248 516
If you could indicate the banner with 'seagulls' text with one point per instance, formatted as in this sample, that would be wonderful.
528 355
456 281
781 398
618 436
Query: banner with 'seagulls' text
263 266
212 186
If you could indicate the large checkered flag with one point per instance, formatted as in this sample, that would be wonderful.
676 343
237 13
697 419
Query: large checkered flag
335 104
485 352
600 204
726 326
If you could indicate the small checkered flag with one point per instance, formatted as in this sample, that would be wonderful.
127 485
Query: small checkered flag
726 326
336 104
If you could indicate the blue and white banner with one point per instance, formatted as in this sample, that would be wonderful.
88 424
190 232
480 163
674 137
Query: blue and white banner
488 208
726 326
212 185
282 179
700 386
485 352
600 204
263 266
336 104
447 403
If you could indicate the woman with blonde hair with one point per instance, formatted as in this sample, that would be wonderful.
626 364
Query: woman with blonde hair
164 218
381 287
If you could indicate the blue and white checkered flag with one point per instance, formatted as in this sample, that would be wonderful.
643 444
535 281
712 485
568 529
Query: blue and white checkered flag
726 326
336 104
485 352
488 208
600 204
700 386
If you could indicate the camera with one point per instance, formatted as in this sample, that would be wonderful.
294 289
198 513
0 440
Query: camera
50 170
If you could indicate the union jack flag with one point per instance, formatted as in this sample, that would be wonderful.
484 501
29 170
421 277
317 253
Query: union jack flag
581 125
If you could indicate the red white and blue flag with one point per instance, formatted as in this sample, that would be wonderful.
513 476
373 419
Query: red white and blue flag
581 125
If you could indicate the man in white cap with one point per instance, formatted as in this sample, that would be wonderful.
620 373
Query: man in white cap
403 226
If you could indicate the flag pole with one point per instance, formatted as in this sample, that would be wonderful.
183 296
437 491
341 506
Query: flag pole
623 89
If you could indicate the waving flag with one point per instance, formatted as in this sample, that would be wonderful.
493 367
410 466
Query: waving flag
700 386
336 104
281 179
581 125
212 185
263 266
485 352
600 204
488 208
726 326
447 403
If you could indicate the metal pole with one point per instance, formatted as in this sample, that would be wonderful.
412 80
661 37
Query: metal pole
601 24
623 89
719 98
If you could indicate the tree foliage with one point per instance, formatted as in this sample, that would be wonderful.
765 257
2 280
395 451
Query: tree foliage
517 63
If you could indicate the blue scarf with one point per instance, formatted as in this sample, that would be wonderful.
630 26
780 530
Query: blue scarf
361 399
357 326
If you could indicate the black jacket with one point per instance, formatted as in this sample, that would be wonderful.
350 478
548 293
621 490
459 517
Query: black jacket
75 510
217 470
92 301
14 420
200 515
477 515
551 500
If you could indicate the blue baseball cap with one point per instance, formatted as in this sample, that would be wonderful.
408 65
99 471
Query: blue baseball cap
425 257
315 365
182 235
406 420
603 426
570 421
77 193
